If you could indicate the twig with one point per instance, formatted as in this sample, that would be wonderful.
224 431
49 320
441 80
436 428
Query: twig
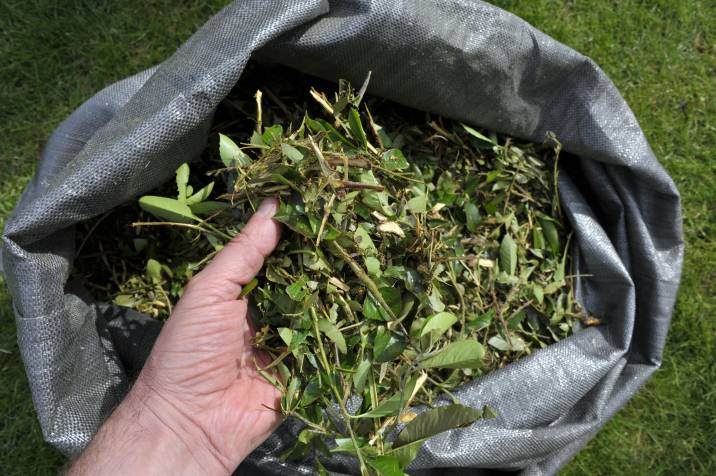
183 225
363 276
326 212
358 185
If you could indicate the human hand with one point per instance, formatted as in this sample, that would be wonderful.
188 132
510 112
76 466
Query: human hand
199 404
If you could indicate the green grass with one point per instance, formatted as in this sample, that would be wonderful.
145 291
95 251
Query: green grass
660 54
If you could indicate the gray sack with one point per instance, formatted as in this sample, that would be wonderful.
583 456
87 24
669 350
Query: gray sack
462 59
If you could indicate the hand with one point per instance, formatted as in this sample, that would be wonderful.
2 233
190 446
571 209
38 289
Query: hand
199 405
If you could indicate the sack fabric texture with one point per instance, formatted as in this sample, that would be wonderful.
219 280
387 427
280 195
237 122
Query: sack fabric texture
462 59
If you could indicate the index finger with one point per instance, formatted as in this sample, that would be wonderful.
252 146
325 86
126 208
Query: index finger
240 259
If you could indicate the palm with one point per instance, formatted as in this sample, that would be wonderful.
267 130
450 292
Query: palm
211 363
204 360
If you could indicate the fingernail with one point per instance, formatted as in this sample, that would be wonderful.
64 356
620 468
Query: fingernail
267 208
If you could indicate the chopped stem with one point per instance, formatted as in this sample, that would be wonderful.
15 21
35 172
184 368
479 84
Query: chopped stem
259 114
336 393
326 212
358 185
213 231
363 276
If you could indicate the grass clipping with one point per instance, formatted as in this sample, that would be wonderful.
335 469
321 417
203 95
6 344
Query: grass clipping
412 261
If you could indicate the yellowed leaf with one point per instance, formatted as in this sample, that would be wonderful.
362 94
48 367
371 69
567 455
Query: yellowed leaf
407 416
392 228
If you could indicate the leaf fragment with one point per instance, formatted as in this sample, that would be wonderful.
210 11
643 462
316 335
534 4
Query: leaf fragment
435 421
508 255
438 323
231 154
167 209
334 334
392 228
460 354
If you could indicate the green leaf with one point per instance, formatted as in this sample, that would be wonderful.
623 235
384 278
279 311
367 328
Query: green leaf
314 125
515 344
272 135
538 293
392 405
561 267
447 189
418 204
334 334
552 235
372 265
499 343
393 297
292 153
356 127
364 241
167 209
387 346
373 199
472 214
346 445
482 321
298 290
438 324
333 134
537 238
307 435
140 244
231 154
361 375
215 242
208 208
476 134
248 287
386 465
435 300
372 310
388 407
463 354
383 136
311 392
201 195
553 287
257 140
124 300
393 159
294 385
153 270
286 335
182 177
493 175
435 421
407 453
290 215
508 255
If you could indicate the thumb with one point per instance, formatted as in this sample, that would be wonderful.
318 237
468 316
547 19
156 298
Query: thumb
239 261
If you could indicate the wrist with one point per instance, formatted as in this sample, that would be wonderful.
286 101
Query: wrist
179 445
147 435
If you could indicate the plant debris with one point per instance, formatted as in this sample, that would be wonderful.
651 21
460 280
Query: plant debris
418 254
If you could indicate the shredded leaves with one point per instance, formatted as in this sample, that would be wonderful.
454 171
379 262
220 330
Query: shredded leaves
418 254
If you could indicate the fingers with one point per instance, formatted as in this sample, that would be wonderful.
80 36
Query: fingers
239 261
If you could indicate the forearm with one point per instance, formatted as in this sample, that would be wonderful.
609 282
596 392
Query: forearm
145 435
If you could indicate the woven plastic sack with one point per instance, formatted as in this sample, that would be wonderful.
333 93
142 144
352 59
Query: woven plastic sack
462 59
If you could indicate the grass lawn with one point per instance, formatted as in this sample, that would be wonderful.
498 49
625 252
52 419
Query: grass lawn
661 54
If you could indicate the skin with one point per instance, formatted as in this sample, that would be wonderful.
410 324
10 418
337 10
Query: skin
198 406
